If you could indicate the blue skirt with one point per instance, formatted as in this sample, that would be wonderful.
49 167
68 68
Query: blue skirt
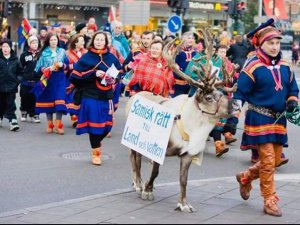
53 98
72 108
261 129
95 117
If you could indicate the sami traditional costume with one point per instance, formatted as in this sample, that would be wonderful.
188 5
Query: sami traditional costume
96 111
118 85
268 84
152 75
266 104
216 62
183 59
73 57
53 98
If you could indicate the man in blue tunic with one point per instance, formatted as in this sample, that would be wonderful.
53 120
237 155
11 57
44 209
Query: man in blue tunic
268 84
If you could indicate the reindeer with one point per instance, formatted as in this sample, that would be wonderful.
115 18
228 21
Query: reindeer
197 116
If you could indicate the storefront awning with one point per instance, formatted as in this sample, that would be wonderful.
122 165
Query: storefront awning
102 3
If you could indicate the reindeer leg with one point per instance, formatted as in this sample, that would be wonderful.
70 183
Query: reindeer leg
148 188
139 174
135 160
185 164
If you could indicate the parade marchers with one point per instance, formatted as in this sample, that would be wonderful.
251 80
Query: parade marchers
77 82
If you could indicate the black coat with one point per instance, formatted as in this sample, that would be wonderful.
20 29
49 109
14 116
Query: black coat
238 53
11 72
29 61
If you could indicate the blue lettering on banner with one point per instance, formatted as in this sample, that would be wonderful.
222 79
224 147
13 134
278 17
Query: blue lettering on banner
155 150
162 119
144 112
131 138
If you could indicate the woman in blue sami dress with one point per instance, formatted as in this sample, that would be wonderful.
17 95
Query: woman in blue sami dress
96 91
51 63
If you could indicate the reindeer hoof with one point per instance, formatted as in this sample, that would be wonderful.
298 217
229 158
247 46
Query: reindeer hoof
147 196
138 190
185 208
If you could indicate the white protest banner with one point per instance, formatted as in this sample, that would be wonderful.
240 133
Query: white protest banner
148 128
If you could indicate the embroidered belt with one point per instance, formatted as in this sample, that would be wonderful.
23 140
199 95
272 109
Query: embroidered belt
264 111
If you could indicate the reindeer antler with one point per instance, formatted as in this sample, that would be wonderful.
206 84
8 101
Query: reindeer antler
170 58
227 79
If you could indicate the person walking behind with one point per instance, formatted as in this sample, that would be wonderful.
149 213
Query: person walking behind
96 90
10 75
295 54
28 60
268 84
119 36
74 53
52 62
238 52
183 59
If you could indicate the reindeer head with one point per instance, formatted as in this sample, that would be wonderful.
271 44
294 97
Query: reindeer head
208 98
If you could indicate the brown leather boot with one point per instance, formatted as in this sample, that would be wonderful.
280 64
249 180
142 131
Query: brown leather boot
221 148
271 208
229 138
59 127
96 156
245 179
50 127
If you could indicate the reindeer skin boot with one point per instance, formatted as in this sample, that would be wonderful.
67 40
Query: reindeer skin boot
271 208
59 127
221 148
229 138
245 179
50 127
96 156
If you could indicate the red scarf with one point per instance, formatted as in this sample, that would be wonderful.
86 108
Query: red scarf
153 75
73 56
99 51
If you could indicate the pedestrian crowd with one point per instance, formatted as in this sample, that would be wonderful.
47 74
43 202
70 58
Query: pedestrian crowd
84 74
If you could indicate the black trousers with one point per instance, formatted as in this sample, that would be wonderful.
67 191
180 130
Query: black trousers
96 140
8 105
216 135
27 100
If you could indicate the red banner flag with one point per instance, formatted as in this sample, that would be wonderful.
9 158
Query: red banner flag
279 9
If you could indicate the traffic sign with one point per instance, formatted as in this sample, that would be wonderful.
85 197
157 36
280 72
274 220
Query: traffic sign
174 24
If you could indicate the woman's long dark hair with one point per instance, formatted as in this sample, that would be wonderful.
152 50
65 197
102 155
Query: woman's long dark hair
47 42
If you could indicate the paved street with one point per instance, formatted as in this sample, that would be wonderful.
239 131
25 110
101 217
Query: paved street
39 169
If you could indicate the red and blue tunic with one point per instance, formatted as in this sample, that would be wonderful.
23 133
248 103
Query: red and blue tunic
73 57
266 83
96 110
183 59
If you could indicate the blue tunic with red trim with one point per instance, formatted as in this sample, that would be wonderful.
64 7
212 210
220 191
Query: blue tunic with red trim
96 110
53 98
268 83
183 59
